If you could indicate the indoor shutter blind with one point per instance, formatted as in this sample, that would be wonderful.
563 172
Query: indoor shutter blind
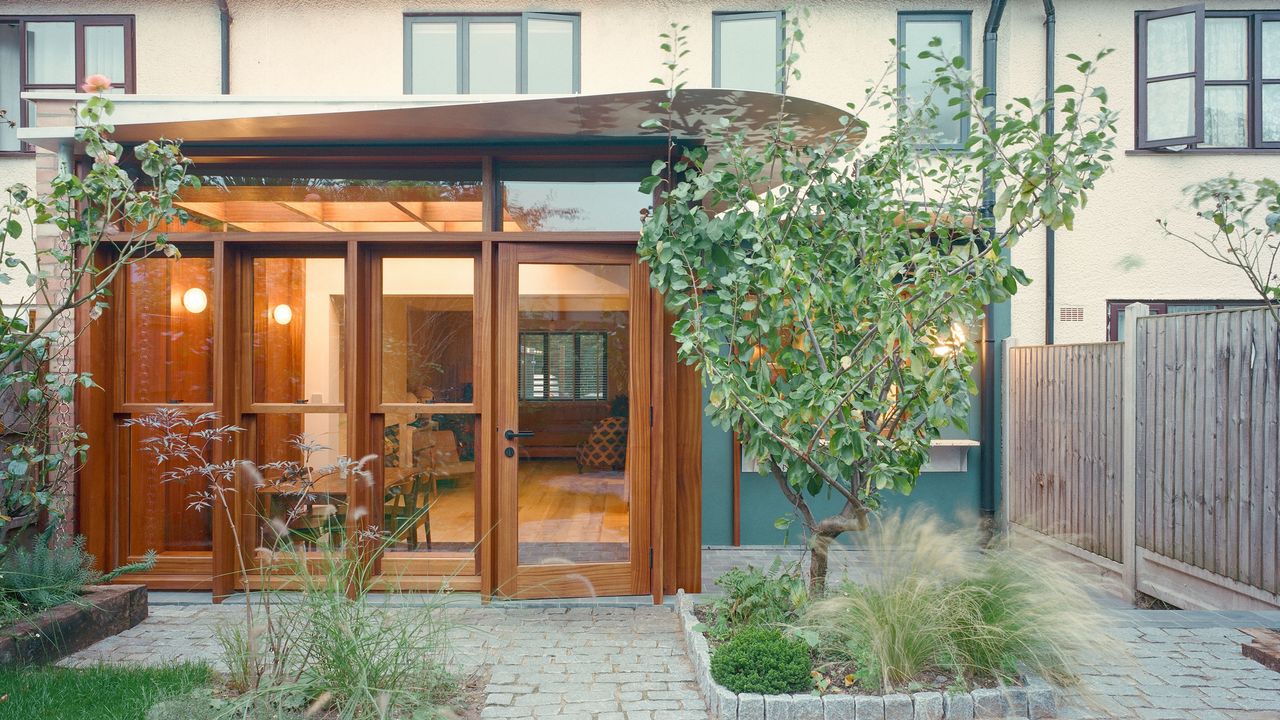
1170 88
592 383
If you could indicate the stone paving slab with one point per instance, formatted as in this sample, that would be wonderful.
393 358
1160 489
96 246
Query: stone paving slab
613 661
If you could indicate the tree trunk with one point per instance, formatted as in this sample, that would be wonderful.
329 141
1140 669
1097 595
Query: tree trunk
850 519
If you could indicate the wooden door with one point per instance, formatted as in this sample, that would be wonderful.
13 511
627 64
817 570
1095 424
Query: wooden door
571 442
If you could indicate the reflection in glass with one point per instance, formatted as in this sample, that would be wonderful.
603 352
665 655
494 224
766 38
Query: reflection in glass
168 328
51 53
429 475
1225 116
491 57
920 74
1171 45
298 329
550 56
104 51
1226 48
302 498
568 199
162 518
574 472
1171 109
748 53
435 58
427 321
391 202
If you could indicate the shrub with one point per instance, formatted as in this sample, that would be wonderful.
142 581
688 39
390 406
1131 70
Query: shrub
932 602
51 574
762 660
755 598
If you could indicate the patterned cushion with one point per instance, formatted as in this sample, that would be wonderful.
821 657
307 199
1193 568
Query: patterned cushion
606 447
391 447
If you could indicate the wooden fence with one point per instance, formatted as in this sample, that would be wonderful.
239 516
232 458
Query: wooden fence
1158 457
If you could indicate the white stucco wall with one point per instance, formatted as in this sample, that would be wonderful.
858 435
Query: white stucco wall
355 48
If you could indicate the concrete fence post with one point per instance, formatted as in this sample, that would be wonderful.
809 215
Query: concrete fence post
1129 438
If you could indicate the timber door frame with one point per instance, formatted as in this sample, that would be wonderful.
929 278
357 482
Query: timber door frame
568 580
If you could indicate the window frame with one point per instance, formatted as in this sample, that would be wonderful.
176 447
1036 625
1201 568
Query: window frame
461 22
779 17
577 365
1161 307
965 18
128 84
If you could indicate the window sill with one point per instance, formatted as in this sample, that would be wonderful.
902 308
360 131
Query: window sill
948 456
1203 151
17 154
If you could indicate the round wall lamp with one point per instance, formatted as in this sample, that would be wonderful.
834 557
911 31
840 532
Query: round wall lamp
282 314
195 301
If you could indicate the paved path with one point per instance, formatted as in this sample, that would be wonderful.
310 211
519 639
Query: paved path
612 662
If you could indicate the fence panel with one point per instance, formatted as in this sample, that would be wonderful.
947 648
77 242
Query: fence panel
1208 444
1064 439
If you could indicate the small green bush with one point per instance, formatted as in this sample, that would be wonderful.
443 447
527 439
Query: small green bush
51 573
762 660
755 598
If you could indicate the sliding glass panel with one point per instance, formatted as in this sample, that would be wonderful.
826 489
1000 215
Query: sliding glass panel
104 51
302 494
434 58
573 199
549 55
574 470
491 57
429 481
298 330
1225 115
168 318
51 53
428 314
160 514
391 200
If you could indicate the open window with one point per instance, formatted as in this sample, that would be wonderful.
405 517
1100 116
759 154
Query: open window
1170 91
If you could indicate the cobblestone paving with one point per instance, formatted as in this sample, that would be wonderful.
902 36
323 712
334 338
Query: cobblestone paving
612 662
573 663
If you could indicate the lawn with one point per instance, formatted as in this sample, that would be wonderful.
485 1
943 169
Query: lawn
101 693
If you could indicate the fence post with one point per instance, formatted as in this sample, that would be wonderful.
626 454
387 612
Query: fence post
1129 438
1006 484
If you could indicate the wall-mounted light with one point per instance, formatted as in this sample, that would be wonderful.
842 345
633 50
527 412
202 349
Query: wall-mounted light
951 345
195 301
282 314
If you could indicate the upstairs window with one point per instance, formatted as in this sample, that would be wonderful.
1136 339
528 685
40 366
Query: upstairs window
54 53
1208 79
942 35
747 51
491 54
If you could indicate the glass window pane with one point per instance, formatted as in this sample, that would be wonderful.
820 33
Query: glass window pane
491 57
160 512
920 75
574 471
428 310
168 319
556 199
1171 45
302 500
1225 115
298 330
9 88
434 60
1271 113
104 51
429 473
1271 50
392 201
748 53
549 53
1226 48
1171 109
51 53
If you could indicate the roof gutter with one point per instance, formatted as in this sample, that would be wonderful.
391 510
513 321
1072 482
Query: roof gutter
987 353
1050 96
224 33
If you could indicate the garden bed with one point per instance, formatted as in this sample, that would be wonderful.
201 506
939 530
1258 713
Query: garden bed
102 611
1034 699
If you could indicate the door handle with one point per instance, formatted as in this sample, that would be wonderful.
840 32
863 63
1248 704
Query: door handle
512 434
